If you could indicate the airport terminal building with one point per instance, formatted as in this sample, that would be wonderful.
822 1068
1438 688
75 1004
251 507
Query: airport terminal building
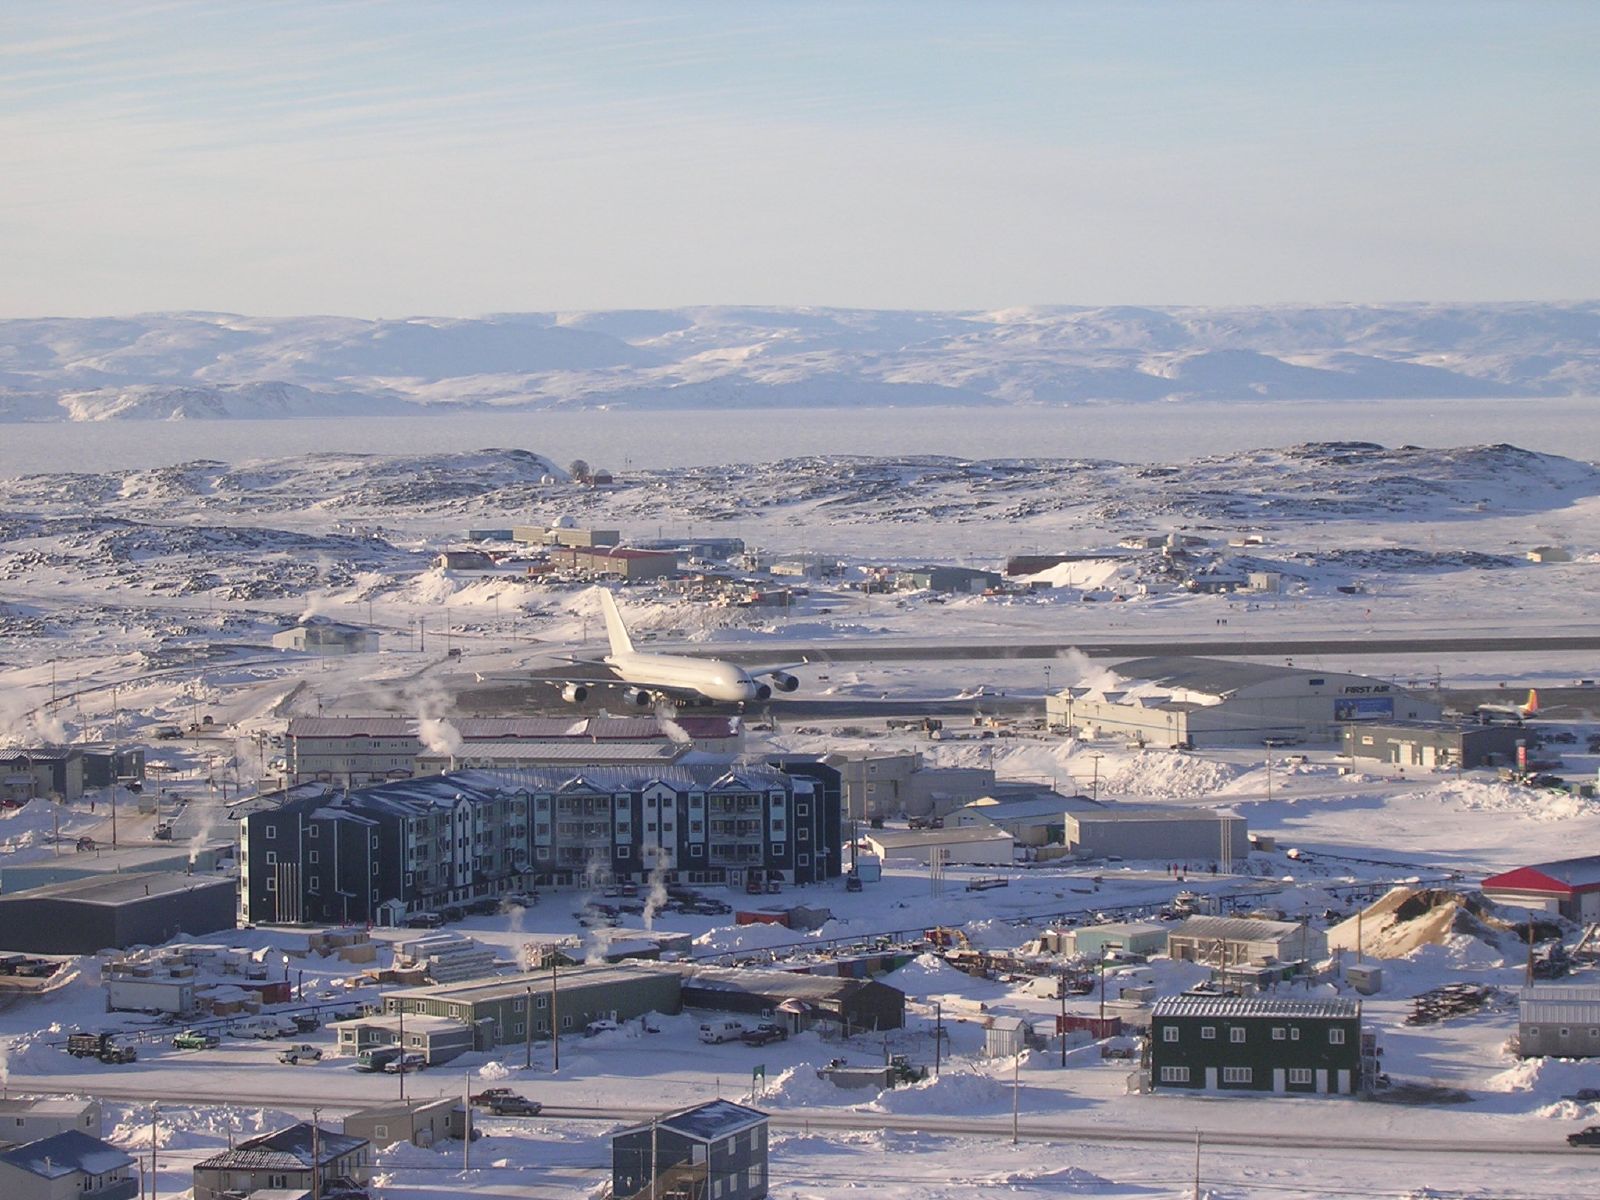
1195 702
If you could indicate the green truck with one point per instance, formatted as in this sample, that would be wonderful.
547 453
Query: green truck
194 1039
376 1058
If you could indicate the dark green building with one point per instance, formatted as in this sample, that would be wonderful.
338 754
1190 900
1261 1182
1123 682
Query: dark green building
1259 1044
713 1151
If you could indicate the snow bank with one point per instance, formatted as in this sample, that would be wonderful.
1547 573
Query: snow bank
954 1093
800 1087
1542 804
1169 774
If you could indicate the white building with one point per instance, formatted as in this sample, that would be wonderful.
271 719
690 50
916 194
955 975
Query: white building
1158 832
316 635
32 1118
971 845
1184 701
1230 941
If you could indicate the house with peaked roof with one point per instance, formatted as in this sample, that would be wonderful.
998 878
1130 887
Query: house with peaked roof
301 1156
67 1166
717 1149
1569 887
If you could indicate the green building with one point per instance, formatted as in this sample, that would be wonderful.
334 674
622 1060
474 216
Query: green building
500 1007
1260 1044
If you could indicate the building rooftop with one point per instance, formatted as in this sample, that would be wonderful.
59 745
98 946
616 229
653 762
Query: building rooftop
66 1154
1337 1008
286 1150
789 984
1236 929
1152 812
897 839
568 752
710 1122
709 772
122 888
1219 677
479 991
1021 808
1563 875
418 1023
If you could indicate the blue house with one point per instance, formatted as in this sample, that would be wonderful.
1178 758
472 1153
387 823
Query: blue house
715 1151
68 1165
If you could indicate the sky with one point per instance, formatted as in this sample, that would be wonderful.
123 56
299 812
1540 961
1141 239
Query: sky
391 159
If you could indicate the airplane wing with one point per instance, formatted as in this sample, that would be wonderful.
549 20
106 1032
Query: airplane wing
757 672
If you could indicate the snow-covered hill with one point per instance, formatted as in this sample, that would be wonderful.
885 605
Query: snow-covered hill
209 365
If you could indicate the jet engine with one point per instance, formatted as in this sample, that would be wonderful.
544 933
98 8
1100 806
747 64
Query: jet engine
574 693
784 682
763 692
637 697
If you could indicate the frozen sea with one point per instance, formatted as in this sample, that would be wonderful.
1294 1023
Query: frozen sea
621 440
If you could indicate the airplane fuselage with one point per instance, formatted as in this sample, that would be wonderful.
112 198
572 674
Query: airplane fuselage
713 679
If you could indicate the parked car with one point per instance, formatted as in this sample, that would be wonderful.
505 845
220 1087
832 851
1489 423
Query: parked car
763 1033
602 1025
166 733
1584 1095
306 1022
515 1106
716 1032
295 1055
852 883
1589 1136
424 920
163 832
194 1039
408 1062
486 1097
100 1045
85 843
377 1058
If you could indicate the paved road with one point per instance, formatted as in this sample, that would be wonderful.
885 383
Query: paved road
1033 1128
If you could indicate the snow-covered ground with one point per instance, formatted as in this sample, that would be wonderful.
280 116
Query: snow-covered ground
144 598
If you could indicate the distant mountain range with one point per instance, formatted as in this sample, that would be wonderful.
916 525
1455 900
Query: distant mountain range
214 365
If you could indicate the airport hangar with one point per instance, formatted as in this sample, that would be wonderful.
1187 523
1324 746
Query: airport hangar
1194 702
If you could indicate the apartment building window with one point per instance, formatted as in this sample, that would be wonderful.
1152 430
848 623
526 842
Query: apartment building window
1279 1033
1208 1033
1300 1075
312 831
1236 1034
1169 1033
1174 1074
272 858
270 832
1235 1074
312 857
1336 1037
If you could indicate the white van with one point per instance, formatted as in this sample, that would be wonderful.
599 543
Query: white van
714 1032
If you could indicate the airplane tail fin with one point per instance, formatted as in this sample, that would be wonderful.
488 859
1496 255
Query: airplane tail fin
1532 706
621 643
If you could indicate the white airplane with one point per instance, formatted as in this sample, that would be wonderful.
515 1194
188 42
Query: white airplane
649 678
1517 712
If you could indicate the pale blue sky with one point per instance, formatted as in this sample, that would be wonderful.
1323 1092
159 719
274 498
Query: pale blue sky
393 158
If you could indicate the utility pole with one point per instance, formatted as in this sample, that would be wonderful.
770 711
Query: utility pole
1061 988
1016 1067
1102 987
316 1148
528 1063
1196 1164
401 1009
938 1035
555 1021
466 1128
655 1159
154 1109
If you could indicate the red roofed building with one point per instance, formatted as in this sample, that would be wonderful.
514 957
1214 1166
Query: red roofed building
1570 887
621 561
